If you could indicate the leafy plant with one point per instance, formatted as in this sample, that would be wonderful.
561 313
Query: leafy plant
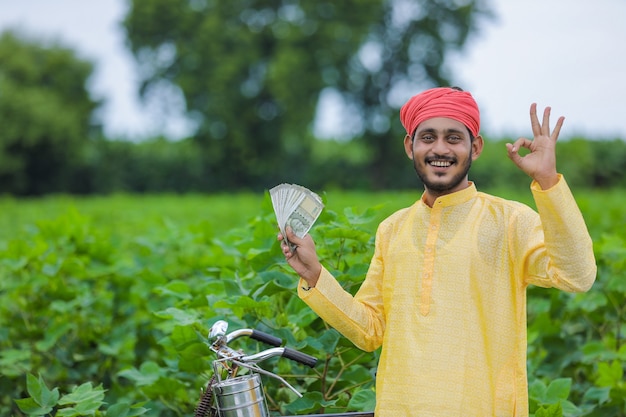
84 400
116 315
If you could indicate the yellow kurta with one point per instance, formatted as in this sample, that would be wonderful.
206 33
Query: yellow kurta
445 295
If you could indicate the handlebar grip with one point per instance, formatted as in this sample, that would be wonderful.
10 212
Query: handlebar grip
266 338
300 357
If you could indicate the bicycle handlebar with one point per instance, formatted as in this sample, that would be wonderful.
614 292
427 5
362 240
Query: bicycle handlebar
254 334
285 352
300 357
221 340
266 338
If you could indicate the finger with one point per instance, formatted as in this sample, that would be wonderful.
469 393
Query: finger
292 236
285 249
519 144
292 240
514 148
557 128
534 121
512 153
545 125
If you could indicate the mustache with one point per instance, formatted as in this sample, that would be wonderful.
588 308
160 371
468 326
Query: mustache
440 158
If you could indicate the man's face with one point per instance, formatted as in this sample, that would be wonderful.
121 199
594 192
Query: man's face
442 153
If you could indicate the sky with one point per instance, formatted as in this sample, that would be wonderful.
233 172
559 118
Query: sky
566 54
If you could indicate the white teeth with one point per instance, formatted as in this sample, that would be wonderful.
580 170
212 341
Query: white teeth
442 164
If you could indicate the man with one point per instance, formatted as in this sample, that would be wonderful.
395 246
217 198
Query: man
445 294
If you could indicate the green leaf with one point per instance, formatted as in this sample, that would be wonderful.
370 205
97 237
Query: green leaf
609 375
363 400
85 398
570 409
40 393
15 362
591 301
597 395
15 265
52 335
537 391
29 407
178 289
280 280
147 374
309 402
325 343
558 389
181 317
553 410
341 231
183 336
595 351
194 357
68 412
621 353
124 409
361 218
357 373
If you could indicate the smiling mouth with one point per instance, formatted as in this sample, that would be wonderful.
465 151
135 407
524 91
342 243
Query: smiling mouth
440 163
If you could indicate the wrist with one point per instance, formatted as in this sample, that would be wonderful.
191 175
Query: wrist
312 275
548 181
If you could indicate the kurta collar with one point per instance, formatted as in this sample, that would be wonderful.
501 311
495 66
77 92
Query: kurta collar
454 199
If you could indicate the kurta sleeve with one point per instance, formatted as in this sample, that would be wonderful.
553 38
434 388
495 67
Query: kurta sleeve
359 318
565 258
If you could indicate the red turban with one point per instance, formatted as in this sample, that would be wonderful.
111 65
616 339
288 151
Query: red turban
441 102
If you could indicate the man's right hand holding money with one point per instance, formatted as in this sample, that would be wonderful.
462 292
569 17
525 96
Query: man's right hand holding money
303 259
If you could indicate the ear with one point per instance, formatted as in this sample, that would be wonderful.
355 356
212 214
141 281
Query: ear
477 147
408 146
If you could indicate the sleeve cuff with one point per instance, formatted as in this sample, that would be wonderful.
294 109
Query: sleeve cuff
535 187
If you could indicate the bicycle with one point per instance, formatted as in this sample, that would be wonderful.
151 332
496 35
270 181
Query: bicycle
230 395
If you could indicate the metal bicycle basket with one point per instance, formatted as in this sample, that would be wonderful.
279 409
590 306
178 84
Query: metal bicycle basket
231 395
240 397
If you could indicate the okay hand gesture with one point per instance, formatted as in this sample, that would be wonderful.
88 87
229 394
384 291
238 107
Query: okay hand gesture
540 163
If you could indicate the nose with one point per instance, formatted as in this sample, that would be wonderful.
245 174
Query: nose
440 146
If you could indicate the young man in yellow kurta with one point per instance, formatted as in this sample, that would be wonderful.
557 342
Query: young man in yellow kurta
445 294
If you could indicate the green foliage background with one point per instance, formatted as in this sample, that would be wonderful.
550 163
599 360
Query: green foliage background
110 300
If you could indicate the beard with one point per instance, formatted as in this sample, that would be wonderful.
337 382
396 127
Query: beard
444 187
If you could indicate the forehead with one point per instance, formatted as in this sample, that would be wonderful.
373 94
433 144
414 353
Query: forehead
441 124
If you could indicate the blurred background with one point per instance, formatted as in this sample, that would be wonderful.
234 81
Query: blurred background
209 95
138 138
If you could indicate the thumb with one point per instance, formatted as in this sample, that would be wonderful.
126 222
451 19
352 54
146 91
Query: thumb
291 235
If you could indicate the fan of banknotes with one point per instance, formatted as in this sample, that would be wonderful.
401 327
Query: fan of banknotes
295 206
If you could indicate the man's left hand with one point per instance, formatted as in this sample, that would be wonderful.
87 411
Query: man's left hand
540 163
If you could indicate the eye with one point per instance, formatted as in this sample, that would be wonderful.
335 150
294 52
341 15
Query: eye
454 139
427 138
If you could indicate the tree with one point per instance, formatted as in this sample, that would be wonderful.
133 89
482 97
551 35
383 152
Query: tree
405 52
252 71
45 114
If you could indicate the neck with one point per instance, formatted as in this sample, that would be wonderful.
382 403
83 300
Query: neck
430 195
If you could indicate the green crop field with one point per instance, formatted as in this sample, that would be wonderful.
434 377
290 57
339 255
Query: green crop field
140 213
105 301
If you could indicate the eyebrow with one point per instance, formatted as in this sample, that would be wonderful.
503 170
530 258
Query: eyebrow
431 130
